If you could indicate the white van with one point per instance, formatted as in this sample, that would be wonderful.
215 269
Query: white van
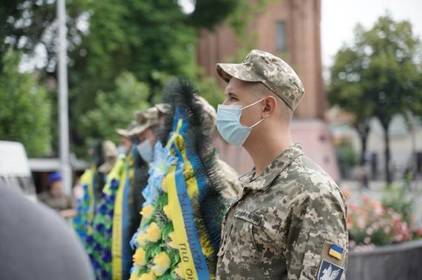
14 168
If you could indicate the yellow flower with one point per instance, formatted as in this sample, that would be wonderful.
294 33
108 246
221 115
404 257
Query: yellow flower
133 276
147 276
147 211
162 263
139 257
153 232
166 210
172 242
142 238
164 187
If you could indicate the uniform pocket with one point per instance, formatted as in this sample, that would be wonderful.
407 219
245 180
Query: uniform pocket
246 224
225 240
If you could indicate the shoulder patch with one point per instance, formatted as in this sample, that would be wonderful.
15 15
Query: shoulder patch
334 253
329 271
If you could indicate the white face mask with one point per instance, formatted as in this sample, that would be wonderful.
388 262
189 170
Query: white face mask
122 150
145 150
229 126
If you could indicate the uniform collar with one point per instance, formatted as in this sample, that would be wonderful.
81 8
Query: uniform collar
264 180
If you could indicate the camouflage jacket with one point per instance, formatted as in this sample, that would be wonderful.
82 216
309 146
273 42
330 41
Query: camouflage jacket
287 223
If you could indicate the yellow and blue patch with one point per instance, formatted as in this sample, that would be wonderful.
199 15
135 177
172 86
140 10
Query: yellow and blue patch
336 251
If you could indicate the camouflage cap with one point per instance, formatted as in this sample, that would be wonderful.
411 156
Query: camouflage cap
125 132
272 71
110 156
163 108
145 119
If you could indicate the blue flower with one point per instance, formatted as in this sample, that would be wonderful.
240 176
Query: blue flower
158 168
107 256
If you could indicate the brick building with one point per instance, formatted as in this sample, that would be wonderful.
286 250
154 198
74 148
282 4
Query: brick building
290 29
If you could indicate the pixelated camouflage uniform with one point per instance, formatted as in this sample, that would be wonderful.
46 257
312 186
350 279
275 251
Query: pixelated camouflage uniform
283 222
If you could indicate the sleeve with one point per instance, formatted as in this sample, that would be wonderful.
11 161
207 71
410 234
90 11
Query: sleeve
317 231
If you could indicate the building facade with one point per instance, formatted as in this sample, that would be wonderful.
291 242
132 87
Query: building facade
291 30
288 28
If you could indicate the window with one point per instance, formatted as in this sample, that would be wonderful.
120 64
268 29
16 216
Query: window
281 44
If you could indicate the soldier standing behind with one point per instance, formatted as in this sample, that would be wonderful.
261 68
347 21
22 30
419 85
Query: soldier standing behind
56 198
289 220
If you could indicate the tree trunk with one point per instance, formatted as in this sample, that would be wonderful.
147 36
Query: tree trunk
387 153
363 131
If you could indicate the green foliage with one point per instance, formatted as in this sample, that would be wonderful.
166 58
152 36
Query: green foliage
142 37
27 25
400 200
150 39
153 40
347 88
346 157
378 75
24 108
208 13
114 109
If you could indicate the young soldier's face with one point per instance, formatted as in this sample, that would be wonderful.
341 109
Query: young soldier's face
242 93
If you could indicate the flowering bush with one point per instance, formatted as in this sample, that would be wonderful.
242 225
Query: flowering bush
370 223
374 223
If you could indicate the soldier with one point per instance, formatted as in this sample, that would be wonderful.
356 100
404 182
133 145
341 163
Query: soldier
56 198
125 144
289 220
146 132
110 155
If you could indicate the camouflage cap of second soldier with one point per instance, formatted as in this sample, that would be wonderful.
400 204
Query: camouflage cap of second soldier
125 132
272 71
149 118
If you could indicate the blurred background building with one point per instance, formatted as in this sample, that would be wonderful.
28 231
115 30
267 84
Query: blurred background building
291 30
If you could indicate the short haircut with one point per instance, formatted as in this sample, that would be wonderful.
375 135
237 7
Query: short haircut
284 110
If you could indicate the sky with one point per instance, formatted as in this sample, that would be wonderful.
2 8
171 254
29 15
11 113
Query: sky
339 17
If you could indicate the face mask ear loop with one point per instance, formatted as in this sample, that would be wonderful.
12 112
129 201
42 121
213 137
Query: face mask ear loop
256 102
250 105
258 122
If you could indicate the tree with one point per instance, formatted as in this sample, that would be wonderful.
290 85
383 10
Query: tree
29 26
24 108
114 109
346 91
380 76
150 39
208 13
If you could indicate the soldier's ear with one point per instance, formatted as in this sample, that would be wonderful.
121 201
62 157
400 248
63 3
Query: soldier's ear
270 105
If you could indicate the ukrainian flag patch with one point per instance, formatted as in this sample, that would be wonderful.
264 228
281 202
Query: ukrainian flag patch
336 251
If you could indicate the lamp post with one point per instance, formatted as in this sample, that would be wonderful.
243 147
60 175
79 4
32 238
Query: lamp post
63 98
